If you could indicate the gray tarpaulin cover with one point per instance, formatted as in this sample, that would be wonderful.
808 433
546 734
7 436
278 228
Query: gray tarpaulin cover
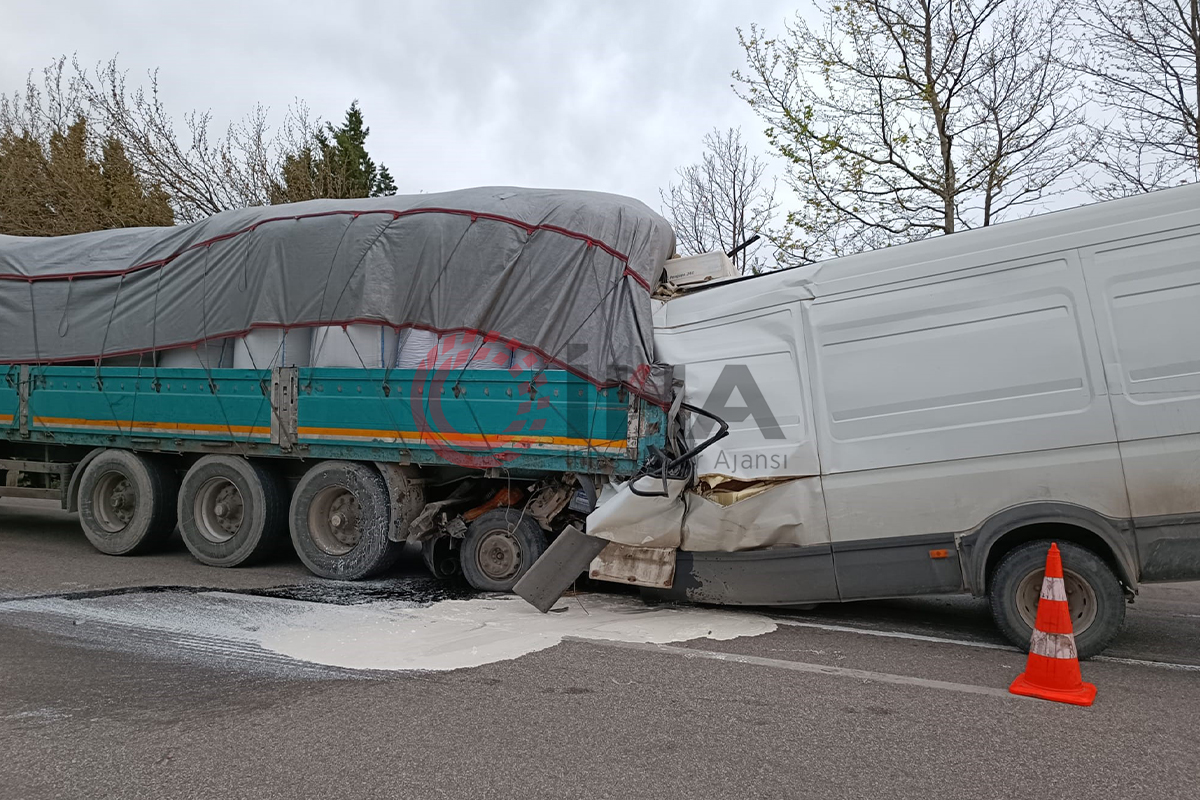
564 273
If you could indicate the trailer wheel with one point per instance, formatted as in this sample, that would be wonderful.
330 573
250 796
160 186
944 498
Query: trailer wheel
340 517
500 546
1094 595
126 502
231 511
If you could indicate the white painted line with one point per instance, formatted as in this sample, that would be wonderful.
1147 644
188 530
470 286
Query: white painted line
799 666
918 637
1137 662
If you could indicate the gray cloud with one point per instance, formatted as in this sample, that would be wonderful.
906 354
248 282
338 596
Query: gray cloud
611 96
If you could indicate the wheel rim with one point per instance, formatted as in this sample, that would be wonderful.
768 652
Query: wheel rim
218 510
114 501
333 520
1081 599
499 555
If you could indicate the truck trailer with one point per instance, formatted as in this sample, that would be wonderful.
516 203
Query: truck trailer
515 367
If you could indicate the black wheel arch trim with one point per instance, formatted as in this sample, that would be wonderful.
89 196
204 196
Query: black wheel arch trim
1117 534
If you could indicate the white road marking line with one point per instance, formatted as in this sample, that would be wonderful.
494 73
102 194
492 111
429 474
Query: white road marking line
1137 662
800 666
893 634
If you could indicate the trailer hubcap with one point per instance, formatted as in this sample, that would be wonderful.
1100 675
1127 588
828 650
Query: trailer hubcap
500 555
333 520
114 500
1081 599
219 510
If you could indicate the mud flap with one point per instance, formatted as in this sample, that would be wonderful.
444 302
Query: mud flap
565 559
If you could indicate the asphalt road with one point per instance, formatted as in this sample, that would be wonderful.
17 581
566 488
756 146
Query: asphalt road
885 699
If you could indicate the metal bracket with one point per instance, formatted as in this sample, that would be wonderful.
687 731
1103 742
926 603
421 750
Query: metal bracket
406 490
284 419
23 389
633 427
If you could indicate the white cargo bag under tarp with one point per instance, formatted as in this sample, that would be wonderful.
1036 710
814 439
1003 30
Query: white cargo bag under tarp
418 348
360 345
268 348
215 354
472 351
527 360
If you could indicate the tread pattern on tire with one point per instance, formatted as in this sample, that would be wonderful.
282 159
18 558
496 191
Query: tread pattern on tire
160 485
533 542
273 513
375 552
1110 612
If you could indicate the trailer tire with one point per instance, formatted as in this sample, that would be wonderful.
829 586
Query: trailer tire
127 502
499 548
1094 595
340 517
231 511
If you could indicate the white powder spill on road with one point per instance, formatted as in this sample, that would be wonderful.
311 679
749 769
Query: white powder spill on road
393 635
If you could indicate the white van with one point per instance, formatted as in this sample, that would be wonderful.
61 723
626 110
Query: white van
927 418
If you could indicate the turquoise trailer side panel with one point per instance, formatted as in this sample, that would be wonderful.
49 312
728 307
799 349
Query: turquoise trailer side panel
480 418
9 397
550 421
167 404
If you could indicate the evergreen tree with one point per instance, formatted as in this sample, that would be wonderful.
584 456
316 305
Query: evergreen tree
335 164
384 185
69 183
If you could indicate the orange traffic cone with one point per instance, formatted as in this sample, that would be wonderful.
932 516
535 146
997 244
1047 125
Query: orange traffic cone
1052 671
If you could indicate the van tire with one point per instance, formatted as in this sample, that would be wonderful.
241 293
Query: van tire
1093 590
339 519
499 548
127 502
231 511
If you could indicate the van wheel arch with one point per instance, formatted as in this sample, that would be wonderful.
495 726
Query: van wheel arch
1110 539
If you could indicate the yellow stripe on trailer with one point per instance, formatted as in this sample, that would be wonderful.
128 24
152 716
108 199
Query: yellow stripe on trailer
417 437
130 426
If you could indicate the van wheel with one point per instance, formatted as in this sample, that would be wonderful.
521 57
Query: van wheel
126 502
1094 595
231 511
499 548
340 517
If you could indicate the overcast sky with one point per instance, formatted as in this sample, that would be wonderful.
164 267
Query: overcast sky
610 95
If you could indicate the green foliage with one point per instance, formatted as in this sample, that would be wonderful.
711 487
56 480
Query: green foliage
66 181
905 119
334 164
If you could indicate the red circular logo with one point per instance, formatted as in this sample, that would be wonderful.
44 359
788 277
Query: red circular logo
474 433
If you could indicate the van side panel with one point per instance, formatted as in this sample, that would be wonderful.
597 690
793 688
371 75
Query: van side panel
1145 292
1000 358
940 404
746 363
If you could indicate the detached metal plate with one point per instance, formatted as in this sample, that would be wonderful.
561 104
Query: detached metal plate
641 566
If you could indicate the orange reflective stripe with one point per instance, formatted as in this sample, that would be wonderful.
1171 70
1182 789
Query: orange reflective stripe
144 426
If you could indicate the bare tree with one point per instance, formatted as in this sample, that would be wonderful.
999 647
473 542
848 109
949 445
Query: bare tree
204 172
723 201
1143 59
903 119
58 176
